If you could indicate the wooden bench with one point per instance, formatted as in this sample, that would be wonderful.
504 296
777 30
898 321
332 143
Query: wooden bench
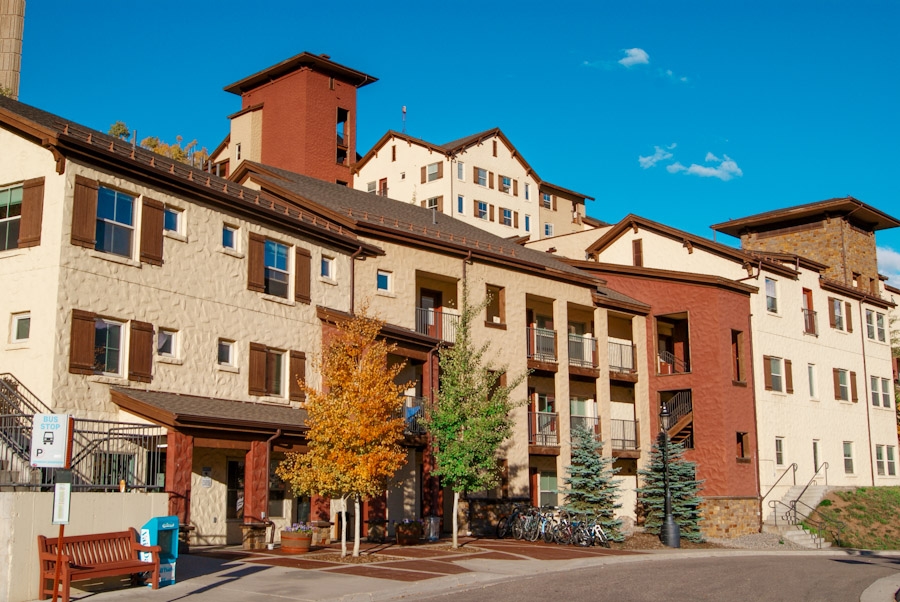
90 556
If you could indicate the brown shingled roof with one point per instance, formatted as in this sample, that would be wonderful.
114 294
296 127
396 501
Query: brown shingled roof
865 215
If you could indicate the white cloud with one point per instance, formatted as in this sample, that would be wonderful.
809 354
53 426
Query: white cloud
726 169
661 154
889 264
635 56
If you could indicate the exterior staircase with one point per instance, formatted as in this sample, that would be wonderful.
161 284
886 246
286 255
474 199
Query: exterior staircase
780 520
17 405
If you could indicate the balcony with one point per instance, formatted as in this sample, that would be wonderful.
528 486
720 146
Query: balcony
413 412
624 435
582 351
541 344
589 423
810 323
543 429
436 324
669 364
622 357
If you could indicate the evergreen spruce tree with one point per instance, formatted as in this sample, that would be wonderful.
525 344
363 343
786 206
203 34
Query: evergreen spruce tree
684 488
589 487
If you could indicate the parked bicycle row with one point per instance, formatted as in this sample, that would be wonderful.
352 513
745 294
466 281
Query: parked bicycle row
553 525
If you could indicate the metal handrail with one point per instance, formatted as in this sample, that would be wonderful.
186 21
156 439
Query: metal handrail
793 467
818 525
679 366
622 357
24 394
821 466
679 405
789 515
810 323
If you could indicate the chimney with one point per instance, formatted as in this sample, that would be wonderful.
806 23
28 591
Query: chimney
12 22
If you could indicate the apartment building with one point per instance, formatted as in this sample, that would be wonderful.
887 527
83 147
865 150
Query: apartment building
481 179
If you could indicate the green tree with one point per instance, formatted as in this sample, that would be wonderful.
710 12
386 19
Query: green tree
470 418
683 485
355 424
119 130
7 92
590 487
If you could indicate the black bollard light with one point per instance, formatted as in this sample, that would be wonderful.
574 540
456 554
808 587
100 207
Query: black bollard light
669 533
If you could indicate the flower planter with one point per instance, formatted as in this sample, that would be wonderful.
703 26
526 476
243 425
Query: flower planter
409 535
295 543
376 532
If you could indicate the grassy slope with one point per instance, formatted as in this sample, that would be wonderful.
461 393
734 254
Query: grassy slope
870 515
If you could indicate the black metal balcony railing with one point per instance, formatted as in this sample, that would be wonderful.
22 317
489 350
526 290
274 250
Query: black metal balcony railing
624 434
669 364
810 323
543 428
414 414
679 405
541 344
622 357
436 324
589 423
582 351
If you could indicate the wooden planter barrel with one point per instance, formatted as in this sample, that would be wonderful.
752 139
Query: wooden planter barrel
295 543
408 535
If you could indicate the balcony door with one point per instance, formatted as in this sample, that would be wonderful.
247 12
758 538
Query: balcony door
431 301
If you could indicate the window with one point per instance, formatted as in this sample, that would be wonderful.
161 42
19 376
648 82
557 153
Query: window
549 495
107 346
394 153
461 171
505 184
431 203
881 391
879 460
10 217
845 385
270 374
226 353
433 172
879 325
528 223
384 281
229 237
870 324
341 130
839 316
848 457
891 466
482 210
237 151
481 177
779 451
495 148
172 219
527 191
811 375
875 325
737 356
115 222
460 203
275 373
276 269
20 330
774 373
506 217
548 229
371 187
637 252
742 448
771 296
166 341
234 490
326 269
546 201
496 307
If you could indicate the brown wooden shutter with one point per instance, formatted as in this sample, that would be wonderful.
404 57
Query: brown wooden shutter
302 275
424 173
474 174
832 321
515 219
296 373
853 393
848 317
554 202
84 212
81 347
440 204
491 212
491 180
637 251
767 372
515 188
495 148
152 216
440 170
32 213
836 376
256 263
257 372
475 208
788 376
140 352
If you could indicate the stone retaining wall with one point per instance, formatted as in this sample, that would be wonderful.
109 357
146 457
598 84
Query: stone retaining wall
729 517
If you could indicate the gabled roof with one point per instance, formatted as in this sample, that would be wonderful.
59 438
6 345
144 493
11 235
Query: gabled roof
866 216
320 62
604 269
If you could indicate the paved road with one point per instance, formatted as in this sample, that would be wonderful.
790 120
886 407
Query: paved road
788 578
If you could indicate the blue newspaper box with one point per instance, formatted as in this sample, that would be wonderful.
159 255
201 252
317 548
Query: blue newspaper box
162 531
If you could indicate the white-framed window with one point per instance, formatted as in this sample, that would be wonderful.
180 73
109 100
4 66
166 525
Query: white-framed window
108 346
848 457
879 460
460 204
431 203
843 383
776 373
870 324
837 308
115 222
505 184
891 465
275 377
277 277
547 200
10 216
173 220
167 342
811 375
548 229
371 187
461 171
771 296
527 192
875 386
481 176
875 326
528 223
431 172
507 217
779 451
326 269
384 281
482 210
549 492
229 237
226 356
879 327
887 390
20 327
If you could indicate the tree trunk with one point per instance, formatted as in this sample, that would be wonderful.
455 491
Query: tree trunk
356 529
344 527
455 519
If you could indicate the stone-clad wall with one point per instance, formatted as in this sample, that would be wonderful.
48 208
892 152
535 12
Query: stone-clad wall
729 517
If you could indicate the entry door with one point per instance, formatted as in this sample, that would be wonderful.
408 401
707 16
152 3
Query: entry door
430 302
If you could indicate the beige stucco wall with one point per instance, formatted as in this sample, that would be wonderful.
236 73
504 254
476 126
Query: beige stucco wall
570 245
24 516
246 130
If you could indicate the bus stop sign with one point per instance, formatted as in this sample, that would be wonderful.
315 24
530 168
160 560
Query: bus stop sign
49 440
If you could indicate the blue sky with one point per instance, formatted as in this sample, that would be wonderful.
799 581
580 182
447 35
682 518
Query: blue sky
688 113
